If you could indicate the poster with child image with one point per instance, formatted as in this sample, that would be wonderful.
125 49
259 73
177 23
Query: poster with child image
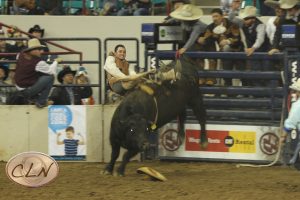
67 132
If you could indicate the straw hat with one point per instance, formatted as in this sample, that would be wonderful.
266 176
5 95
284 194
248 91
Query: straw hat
187 12
287 4
33 44
155 175
296 85
248 12
271 3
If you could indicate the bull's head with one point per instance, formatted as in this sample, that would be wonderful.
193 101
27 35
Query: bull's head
136 131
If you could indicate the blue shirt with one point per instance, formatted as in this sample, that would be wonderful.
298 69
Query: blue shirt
293 120
71 147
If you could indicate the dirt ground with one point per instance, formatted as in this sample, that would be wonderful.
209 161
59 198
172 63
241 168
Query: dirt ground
188 180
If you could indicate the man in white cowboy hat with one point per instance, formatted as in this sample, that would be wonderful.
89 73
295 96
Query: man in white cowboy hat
255 38
189 16
292 16
33 76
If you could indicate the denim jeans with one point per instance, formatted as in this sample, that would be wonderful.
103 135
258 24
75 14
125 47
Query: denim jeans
41 89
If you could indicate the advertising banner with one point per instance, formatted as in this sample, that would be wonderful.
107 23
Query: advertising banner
225 142
67 132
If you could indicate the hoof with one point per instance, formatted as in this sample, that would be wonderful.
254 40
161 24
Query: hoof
204 145
105 172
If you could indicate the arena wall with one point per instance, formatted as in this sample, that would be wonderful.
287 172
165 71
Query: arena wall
25 128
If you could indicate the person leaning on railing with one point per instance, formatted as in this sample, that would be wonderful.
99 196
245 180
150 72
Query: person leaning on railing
33 76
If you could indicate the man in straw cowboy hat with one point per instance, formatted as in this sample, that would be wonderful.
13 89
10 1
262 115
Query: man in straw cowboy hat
34 77
292 16
255 38
189 16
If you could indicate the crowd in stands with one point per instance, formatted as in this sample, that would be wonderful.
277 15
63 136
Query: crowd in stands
238 30
30 79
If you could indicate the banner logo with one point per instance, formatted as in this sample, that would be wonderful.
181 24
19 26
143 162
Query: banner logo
170 140
269 143
32 169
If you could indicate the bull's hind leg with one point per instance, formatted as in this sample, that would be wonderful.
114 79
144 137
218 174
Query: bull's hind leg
199 111
126 158
114 155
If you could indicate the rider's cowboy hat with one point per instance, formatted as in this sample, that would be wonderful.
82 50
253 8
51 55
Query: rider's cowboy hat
187 12
154 175
36 28
288 4
296 85
248 12
62 73
271 3
33 44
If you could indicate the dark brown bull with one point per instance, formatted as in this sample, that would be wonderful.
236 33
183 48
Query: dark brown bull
135 115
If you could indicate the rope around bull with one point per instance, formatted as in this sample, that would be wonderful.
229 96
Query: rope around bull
280 143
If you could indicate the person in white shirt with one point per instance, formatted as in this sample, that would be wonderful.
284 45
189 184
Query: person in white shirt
120 77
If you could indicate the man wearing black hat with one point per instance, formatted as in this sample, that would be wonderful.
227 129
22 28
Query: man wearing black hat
38 32
68 95
33 76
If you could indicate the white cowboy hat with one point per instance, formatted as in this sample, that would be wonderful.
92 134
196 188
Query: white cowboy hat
287 4
296 85
33 44
187 12
247 12
271 3
155 175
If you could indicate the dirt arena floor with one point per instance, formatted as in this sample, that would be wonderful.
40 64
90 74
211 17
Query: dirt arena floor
188 180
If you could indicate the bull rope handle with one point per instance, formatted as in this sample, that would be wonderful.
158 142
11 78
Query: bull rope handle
280 143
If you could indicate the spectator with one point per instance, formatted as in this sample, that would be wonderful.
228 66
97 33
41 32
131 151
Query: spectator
292 16
68 95
272 23
223 33
33 76
6 48
227 35
189 16
38 32
18 7
82 78
33 9
52 7
15 33
255 39
5 92
226 5
135 7
110 8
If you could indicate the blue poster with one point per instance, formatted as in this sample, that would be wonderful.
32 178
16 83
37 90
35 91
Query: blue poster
67 132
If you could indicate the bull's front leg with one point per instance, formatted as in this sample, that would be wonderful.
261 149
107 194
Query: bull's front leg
114 155
126 158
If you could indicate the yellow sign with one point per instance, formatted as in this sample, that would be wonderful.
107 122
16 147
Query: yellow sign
244 142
